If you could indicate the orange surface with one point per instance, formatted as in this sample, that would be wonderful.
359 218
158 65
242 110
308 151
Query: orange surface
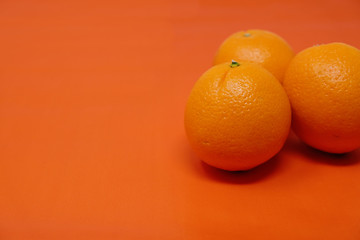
335 127
259 46
92 142
237 116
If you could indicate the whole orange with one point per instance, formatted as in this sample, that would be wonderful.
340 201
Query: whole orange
323 85
259 46
237 116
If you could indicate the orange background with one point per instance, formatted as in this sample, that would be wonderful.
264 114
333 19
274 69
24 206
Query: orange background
92 144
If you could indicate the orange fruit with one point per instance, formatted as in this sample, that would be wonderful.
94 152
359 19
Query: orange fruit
237 116
259 46
323 85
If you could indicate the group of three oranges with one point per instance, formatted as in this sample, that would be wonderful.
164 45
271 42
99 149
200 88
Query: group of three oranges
240 111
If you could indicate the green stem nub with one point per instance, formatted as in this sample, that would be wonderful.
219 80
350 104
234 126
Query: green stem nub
234 64
247 34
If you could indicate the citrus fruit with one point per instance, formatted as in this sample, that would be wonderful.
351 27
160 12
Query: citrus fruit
323 85
237 116
259 46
